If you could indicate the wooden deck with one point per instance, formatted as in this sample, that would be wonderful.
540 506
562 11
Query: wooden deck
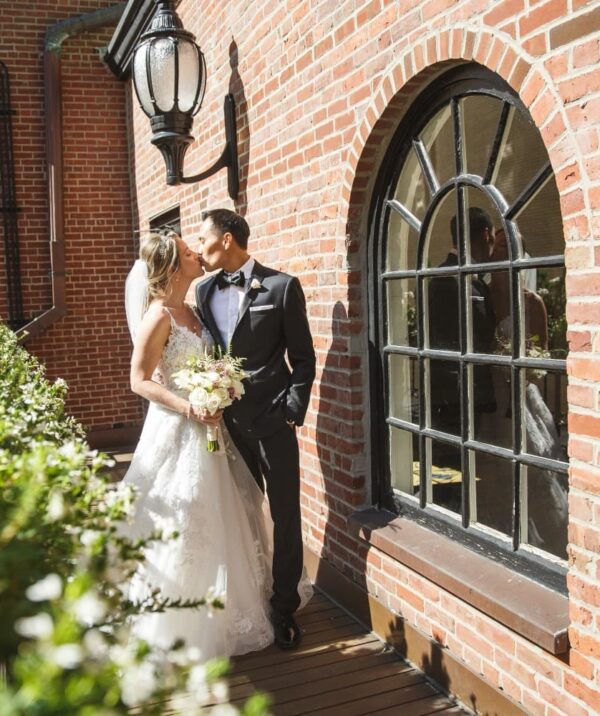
340 669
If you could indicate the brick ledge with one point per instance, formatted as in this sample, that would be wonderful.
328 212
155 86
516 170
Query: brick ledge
535 612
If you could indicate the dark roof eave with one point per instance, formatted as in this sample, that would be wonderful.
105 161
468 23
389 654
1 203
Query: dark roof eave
135 19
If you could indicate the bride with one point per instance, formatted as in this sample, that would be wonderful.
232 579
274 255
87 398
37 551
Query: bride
210 499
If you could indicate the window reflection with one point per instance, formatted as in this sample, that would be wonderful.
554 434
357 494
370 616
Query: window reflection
404 460
403 380
402 322
547 511
481 114
438 139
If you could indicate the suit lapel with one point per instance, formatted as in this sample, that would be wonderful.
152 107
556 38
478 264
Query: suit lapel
206 290
249 294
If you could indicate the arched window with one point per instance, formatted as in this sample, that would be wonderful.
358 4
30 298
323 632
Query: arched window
468 316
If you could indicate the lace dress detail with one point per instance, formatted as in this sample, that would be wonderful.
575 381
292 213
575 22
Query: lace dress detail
214 505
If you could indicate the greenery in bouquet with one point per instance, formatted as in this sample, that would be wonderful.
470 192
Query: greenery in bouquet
64 559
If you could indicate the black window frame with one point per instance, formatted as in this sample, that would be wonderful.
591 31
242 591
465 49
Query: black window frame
450 87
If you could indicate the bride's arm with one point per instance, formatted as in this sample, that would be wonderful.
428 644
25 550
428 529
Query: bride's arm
151 339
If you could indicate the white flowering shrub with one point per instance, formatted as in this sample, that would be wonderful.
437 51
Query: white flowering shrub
63 642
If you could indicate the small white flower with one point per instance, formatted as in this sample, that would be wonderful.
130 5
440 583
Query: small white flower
68 656
56 506
196 683
69 450
95 644
50 587
89 609
255 284
38 627
138 683
88 537
220 691
224 710
199 398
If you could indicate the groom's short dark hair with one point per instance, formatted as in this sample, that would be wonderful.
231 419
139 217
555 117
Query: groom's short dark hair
225 220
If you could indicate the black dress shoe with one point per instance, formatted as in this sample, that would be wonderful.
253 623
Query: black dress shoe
287 632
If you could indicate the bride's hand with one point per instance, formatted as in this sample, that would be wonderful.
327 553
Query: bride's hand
203 416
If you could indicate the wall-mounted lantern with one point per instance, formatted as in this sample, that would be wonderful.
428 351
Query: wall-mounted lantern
169 75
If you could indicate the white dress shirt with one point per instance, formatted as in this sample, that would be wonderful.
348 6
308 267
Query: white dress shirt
225 304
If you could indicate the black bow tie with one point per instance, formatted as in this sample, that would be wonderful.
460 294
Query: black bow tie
225 279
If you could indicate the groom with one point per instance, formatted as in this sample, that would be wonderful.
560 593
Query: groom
261 314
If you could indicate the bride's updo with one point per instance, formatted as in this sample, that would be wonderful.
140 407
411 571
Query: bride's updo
159 252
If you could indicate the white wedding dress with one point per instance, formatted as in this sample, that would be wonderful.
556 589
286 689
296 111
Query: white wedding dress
215 505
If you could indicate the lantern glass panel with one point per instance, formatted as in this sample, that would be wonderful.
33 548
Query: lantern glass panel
140 78
162 71
189 75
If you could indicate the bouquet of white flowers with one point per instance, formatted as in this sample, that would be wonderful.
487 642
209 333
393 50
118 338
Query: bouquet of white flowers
213 383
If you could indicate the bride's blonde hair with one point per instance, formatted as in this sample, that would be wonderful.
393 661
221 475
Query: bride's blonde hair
159 252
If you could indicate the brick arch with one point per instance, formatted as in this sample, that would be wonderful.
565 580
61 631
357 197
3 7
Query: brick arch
427 59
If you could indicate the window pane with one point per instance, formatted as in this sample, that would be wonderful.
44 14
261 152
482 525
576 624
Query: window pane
540 223
444 396
403 382
483 220
521 156
443 312
404 460
446 476
402 241
494 492
438 138
480 121
490 318
493 414
401 312
549 299
545 510
439 247
411 189
545 414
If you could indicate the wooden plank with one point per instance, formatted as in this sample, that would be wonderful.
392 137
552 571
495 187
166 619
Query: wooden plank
371 702
369 645
272 655
344 698
271 683
305 619
438 705
322 691
329 623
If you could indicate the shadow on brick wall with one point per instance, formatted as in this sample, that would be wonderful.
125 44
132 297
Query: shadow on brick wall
236 88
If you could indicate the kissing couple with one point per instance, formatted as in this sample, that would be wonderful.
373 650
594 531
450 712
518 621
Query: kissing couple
214 501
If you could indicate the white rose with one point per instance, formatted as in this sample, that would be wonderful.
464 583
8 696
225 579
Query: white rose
49 587
255 284
225 381
199 398
238 386
213 403
222 393
213 377
38 627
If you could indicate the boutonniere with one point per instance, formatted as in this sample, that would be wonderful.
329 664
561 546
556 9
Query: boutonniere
255 284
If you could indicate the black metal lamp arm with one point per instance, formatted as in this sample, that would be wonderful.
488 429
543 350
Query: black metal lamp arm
229 156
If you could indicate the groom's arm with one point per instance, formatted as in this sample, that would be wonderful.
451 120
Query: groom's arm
300 351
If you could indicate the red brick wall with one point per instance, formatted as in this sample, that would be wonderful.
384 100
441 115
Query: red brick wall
320 87
90 346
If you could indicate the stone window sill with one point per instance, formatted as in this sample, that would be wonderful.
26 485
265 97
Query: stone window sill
524 606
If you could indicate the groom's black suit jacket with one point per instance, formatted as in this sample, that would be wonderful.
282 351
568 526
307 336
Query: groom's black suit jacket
271 321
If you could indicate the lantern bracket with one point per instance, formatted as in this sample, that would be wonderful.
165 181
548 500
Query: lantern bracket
229 156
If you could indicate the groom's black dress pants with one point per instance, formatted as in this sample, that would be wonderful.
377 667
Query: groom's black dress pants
274 460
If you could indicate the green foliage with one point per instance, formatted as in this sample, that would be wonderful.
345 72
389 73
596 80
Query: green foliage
63 561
